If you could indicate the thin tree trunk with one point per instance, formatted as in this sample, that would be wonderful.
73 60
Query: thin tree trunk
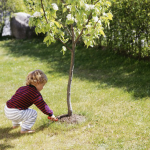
70 81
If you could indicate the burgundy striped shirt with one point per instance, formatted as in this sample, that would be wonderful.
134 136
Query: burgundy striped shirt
25 96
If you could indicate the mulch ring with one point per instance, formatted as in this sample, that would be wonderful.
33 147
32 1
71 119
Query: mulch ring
74 119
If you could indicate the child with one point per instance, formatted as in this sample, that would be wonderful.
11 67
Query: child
17 108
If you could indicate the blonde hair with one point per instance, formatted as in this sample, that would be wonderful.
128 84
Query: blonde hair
36 77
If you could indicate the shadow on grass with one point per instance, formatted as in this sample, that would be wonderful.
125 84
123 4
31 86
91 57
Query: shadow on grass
93 64
6 135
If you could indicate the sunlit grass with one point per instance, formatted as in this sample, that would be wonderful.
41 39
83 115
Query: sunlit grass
111 91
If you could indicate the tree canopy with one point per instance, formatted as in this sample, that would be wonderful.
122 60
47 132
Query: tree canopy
86 17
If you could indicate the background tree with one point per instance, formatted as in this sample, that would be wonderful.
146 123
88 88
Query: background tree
70 20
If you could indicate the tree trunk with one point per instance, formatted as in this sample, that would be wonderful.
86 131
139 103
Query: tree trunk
70 81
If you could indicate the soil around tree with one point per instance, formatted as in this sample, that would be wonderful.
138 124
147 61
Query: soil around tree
74 119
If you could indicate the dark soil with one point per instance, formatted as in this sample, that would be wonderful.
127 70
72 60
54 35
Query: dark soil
74 119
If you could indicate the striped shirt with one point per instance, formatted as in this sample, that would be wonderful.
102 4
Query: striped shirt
25 96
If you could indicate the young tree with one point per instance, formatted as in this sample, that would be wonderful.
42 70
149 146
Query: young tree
70 20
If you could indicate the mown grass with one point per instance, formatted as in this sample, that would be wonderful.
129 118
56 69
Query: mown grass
111 91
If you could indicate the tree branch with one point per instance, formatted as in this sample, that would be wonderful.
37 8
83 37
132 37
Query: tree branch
96 23
64 44
96 2
73 36
44 11
69 31
83 28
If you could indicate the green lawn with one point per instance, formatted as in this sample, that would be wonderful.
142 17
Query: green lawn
111 91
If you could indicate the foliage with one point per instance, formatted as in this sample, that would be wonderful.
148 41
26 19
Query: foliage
56 19
10 6
16 6
129 31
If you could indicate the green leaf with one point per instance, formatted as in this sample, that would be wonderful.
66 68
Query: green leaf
102 32
109 16
64 9
57 24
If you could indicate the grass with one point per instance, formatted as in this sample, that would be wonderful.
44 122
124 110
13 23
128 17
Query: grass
111 91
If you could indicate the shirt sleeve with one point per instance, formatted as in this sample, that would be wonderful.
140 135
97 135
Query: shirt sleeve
41 104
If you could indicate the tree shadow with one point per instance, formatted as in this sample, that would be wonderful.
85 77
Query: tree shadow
44 125
93 64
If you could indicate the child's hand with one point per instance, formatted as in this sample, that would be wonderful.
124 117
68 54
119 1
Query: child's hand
52 118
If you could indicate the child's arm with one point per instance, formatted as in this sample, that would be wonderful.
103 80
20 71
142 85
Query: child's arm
41 104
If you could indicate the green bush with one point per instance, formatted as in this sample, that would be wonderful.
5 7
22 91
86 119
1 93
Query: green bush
129 31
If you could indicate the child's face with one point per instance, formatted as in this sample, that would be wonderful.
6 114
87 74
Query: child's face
40 86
